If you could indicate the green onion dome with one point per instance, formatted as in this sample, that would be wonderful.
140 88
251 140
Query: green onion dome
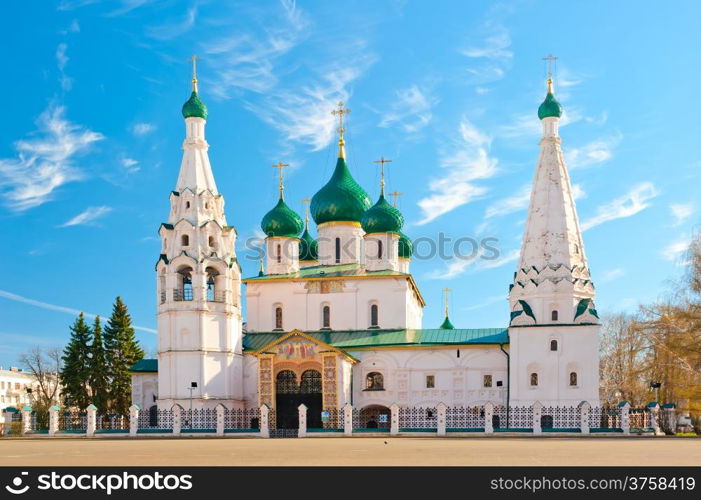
308 247
382 218
405 246
550 107
341 199
447 325
282 221
194 107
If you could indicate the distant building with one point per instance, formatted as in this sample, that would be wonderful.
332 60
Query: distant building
16 388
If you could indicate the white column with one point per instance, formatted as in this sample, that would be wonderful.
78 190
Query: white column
625 417
348 419
537 412
26 420
394 419
264 421
302 431
92 420
134 419
53 420
220 419
177 412
584 410
441 418
488 412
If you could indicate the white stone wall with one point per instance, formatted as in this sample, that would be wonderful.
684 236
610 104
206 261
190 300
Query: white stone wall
351 236
144 389
350 304
282 255
390 251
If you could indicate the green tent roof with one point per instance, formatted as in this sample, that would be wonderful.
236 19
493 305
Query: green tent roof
337 271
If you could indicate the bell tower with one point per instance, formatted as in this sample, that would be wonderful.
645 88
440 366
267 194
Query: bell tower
198 283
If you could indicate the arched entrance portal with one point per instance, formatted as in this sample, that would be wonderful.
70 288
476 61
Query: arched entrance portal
289 395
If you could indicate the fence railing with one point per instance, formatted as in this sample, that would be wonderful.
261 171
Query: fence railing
439 419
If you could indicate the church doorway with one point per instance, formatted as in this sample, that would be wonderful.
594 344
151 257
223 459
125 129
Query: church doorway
289 395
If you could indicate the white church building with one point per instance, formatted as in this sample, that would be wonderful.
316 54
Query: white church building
338 319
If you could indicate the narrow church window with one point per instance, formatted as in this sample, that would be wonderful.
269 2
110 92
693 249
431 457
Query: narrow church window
576 249
553 345
278 318
187 204
185 240
326 317
374 320
206 205
534 379
488 381
211 241
279 254
430 381
338 250
573 379
374 381
553 315
379 249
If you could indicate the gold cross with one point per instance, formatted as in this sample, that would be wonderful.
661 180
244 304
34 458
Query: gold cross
382 162
550 60
306 211
194 60
281 165
446 291
395 195
341 143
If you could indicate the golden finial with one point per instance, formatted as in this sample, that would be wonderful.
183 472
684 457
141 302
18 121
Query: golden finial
194 60
550 61
281 165
395 195
341 143
446 291
382 162
306 211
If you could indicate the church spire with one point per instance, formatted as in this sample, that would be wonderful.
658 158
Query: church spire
552 279
447 324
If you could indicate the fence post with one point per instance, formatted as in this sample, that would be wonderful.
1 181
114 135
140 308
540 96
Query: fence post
264 421
302 427
177 412
625 416
394 419
348 419
53 420
670 417
584 409
220 419
654 409
134 419
92 420
537 412
27 419
441 419
488 413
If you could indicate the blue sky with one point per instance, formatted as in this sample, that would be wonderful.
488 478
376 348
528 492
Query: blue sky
90 144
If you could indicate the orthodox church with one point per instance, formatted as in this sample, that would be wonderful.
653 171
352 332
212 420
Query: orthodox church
337 319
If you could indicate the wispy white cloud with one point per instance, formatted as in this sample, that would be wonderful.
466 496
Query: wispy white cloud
482 260
578 191
130 165
593 153
631 203
490 55
411 108
674 250
466 160
74 4
54 307
74 27
515 203
681 212
62 60
46 161
140 129
527 125
248 61
611 274
87 216
127 6
172 30
486 302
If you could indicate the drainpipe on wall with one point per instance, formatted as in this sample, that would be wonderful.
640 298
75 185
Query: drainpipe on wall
508 382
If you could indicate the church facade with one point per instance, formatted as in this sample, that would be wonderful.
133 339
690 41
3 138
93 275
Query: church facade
337 319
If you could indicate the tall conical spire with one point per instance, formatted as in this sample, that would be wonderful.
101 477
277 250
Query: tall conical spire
552 277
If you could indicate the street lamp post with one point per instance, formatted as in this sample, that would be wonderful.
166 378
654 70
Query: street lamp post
193 386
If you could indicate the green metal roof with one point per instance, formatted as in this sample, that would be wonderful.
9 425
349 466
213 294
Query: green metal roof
341 199
282 221
355 339
194 107
145 366
341 270
382 218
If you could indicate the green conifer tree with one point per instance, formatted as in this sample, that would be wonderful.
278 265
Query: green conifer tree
75 375
122 351
99 375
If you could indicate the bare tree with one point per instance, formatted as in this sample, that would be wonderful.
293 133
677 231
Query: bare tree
45 365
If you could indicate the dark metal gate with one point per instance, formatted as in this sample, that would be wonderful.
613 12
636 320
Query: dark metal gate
289 395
